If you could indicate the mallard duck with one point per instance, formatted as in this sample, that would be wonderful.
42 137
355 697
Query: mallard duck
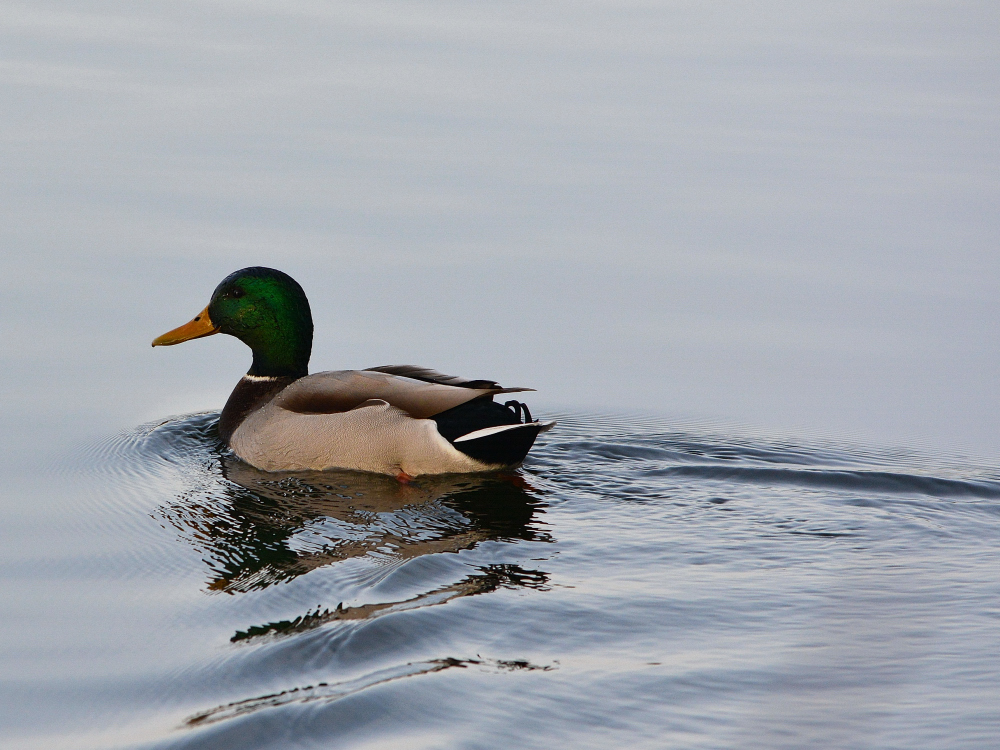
401 420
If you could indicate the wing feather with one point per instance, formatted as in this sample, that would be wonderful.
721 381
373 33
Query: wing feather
340 391
428 375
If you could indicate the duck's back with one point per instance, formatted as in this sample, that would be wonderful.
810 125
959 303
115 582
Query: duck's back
381 422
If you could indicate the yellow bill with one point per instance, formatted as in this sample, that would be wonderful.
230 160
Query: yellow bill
202 325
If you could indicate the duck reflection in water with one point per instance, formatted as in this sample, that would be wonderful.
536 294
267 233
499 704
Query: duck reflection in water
255 529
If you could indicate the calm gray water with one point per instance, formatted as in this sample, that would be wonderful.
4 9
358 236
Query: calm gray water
780 214
638 583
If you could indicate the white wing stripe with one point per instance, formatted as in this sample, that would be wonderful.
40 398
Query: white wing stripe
540 426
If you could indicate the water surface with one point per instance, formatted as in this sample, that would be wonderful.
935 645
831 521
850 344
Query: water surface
639 582
781 214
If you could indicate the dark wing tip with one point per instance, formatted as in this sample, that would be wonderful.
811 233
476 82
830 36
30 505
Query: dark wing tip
428 375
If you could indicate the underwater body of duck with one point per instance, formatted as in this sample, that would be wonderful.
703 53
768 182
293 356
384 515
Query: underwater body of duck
401 420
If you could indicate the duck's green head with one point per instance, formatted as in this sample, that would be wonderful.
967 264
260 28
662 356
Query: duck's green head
266 310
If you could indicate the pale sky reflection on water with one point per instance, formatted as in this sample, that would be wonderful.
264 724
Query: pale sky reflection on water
782 214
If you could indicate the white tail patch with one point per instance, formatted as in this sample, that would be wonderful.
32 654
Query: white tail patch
540 426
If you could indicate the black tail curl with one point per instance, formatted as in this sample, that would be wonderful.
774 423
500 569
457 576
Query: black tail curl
506 448
517 407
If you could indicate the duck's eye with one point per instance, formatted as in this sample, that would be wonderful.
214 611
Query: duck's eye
236 293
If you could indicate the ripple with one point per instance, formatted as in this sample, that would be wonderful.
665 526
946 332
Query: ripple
638 555
489 579
327 692
854 481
